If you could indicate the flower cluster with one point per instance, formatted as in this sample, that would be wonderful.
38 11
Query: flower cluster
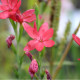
41 37
10 9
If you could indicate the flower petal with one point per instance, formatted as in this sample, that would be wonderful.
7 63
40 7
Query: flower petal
4 15
49 43
39 46
76 39
12 3
30 45
28 13
31 31
30 18
43 28
17 5
48 34
4 7
5 2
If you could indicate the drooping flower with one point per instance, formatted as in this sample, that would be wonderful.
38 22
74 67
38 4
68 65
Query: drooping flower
9 40
76 39
48 75
29 55
33 68
40 38
8 8
27 16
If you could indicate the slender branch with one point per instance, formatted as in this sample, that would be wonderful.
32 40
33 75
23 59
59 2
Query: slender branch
64 55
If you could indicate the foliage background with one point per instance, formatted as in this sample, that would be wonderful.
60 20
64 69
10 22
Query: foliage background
71 67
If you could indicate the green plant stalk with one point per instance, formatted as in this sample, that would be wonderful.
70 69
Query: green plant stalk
54 22
16 51
64 55
19 60
63 40
40 62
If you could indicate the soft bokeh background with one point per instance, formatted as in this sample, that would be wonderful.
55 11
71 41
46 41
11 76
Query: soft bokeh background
69 11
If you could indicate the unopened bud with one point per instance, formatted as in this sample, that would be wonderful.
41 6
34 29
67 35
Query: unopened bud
33 68
9 40
29 55
48 75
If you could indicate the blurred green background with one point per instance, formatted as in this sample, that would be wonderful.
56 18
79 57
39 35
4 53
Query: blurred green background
71 66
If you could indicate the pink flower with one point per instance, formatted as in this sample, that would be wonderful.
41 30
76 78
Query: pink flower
27 16
76 39
29 55
40 17
33 68
9 40
48 75
78 59
8 8
40 38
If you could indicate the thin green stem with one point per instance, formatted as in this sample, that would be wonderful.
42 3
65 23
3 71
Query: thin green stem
40 62
64 55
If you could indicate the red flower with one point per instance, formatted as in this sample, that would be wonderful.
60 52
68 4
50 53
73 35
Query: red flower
41 38
27 16
8 8
76 39
78 59
33 68
48 75
9 40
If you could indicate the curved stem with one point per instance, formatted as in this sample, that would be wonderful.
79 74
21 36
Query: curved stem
64 55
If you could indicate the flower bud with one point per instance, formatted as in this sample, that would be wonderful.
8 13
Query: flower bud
12 37
40 17
9 40
29 55
48 75
33 68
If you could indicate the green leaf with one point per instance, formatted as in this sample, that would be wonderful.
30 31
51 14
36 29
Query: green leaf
37 12
42 74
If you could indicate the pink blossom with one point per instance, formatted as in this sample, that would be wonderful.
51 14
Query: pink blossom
78 59
40 17
29 55
48 75
76 39
33 68
27 16
40 38
9 40
8 8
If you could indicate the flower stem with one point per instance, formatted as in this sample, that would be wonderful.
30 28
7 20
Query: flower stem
40 62
16 50
64 55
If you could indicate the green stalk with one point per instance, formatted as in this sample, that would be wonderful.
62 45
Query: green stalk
64 55
16 50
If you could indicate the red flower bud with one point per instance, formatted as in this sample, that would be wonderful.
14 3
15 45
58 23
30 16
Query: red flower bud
48 75
9 40
29 55
33 68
